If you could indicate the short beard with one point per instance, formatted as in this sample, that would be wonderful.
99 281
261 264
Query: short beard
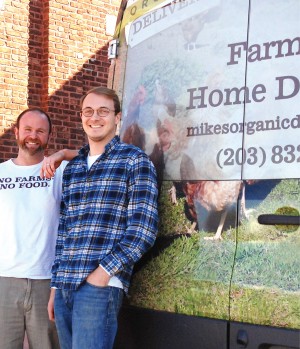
40 149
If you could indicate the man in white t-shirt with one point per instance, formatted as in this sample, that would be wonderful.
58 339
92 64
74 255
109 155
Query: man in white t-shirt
29 214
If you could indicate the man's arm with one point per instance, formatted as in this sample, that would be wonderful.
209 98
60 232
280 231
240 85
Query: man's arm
51 305
61 235
52 162
142 218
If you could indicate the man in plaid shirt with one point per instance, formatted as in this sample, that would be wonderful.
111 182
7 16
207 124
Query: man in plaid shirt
108 220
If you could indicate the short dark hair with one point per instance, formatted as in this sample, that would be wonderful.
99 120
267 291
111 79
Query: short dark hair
101 90
34 109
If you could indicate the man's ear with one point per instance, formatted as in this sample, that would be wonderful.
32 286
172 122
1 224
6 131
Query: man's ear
118 118
16 132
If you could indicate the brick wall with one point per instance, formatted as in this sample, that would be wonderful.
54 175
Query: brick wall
51 52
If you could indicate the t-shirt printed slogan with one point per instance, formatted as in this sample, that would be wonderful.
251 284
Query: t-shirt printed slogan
24 182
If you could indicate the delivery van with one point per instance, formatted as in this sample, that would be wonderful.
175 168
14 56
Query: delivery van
210 91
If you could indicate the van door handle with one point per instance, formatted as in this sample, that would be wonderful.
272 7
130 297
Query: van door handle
242 339
274 219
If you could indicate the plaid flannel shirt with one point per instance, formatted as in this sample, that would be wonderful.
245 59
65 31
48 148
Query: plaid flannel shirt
108 215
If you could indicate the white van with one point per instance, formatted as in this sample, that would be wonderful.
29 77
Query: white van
210 90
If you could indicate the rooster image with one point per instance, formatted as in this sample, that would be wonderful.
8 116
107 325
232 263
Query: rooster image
217 198
214 197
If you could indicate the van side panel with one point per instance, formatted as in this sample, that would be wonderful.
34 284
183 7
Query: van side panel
210 91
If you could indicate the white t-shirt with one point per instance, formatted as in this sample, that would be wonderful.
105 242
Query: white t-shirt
29 216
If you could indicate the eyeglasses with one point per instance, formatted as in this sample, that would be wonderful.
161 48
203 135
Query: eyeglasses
101 112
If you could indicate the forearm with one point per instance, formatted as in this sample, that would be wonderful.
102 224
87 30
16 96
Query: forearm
51 305
52 162
68 154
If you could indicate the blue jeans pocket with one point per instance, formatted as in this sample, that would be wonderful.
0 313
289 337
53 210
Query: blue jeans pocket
88 319
96 286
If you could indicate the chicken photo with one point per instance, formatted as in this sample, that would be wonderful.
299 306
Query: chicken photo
206 200
214 197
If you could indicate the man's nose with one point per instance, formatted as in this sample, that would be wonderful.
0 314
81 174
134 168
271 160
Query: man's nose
33 134
95 115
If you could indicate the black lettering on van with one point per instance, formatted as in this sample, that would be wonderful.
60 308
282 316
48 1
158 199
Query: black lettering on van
284 81
157 16
230 96
256 52
237 99
295 122
288 44
133 10
273 124
193 97
193 131
147 21
217 100
236 51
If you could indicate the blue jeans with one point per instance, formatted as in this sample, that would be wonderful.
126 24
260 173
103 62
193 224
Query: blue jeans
87 318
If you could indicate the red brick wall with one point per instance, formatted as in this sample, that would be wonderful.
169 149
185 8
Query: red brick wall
51 52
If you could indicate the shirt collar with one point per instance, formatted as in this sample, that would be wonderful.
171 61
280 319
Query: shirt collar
84 151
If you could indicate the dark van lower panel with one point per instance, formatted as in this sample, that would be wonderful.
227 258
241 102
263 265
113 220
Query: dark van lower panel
149 329
263 337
